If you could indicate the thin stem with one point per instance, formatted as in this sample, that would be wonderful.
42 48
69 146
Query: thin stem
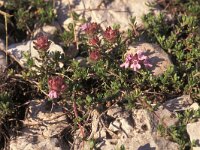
76 115
6 29
75 37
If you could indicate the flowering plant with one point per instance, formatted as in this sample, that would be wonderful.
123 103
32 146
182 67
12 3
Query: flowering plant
136 61
90 28
95 78
56 86
42 42
94 55
110 34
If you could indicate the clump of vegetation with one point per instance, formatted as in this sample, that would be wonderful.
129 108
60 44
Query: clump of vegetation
104 73
29 14
177 31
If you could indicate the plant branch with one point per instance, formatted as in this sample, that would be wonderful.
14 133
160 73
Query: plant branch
75 37
6 15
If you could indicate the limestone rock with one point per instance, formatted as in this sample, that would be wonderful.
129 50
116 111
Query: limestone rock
157 57
49 30
166 117
194 106
41 127
180 103
163 144
49 144
193 130
18 50
136 133
1 3
105 12
97 127
117 112
115 125
2 44
3 62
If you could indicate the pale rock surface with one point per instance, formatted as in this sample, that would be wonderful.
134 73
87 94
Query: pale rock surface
17 50
1 3
166 117
117 112
49 30
193 129
3 62
157 57
134 129
163 144
178 104
115 125
105 12
2 44
194 106
41 128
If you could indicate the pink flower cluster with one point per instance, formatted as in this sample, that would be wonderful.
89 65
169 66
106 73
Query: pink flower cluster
94 41
110 34
136 61
56 86
90 28
94 55
42 42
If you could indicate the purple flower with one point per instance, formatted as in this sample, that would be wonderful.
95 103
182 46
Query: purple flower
141 55
94 55
94 41
90 28
56 86
127 61
110 35
136 61
42 42
135 65
84 26
53 94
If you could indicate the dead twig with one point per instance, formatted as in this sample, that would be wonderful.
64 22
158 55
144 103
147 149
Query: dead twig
75 37
6 16
80 126
102 9
76 115
12 57
108 130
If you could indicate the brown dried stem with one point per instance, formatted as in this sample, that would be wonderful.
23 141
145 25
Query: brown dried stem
75 37
6 16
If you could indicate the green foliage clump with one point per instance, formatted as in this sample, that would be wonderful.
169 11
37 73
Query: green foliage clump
29 14
180 39
5 102
96 80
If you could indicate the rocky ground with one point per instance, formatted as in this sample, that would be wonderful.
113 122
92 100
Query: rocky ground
115 127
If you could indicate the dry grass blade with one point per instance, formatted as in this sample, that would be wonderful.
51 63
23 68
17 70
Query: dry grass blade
6 16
